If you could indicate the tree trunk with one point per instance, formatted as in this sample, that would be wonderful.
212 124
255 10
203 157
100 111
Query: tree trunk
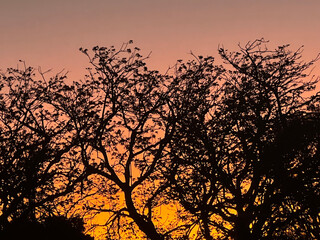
144 225
241 229
242 233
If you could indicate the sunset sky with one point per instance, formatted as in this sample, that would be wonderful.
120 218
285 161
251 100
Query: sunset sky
48 33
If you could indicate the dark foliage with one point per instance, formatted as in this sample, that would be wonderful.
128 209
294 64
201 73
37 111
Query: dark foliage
38 160
52 228
122 121
245 157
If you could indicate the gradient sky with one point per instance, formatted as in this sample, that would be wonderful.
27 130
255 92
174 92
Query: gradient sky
48 33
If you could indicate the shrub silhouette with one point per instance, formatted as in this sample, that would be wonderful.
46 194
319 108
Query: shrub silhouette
53 228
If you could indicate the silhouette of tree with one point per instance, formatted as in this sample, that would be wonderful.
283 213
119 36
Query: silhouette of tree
123 121
51 228
38 164
245 153
106 133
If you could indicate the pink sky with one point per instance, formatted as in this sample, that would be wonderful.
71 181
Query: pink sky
48 33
